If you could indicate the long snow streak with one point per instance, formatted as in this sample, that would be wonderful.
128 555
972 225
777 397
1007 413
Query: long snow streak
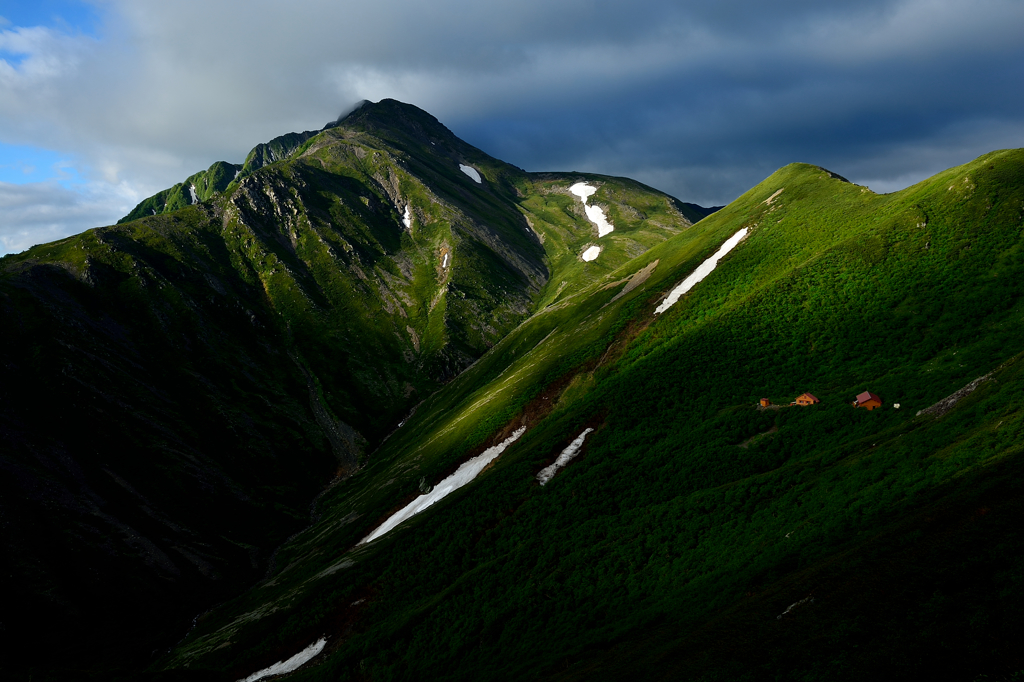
466 472
192 191
594 213
702 271
293 663
407 218
547 473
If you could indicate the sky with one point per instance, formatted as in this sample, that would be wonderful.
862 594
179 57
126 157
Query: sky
105 102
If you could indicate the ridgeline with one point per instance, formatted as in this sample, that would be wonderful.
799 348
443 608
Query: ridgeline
187 382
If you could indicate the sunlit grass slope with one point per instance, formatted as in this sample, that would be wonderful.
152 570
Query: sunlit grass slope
666 550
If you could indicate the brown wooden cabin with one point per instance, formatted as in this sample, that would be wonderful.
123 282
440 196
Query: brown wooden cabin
765 402
806 399
867 400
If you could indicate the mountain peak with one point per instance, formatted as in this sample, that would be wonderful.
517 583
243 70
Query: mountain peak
346 113
389 118
404 125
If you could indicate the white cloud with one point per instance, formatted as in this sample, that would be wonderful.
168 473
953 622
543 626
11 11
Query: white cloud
39 212
39 55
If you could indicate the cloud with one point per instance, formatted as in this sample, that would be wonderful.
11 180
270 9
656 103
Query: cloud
38 212
699 99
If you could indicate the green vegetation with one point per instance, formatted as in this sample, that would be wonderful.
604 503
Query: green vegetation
204 185
288 327
182 385
666 550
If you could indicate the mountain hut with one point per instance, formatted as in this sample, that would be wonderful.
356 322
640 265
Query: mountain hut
867 400
806 399
765 402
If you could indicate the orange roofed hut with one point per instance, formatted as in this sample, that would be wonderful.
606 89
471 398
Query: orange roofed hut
867 400
805 399
765 402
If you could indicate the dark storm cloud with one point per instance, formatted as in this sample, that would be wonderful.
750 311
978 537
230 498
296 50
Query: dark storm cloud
883 103
698 99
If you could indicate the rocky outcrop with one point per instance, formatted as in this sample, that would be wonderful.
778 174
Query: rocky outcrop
949 402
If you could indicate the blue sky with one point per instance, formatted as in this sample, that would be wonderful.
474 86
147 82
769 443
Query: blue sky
67 15
21 164
25 163
43 196
103 103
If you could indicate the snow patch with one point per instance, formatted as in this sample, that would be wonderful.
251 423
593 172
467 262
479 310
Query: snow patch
594 213
591 253
237 173
192 191
470 171
407 218
583 190
293 663
547 473
445 263
466 472
702 271
808 598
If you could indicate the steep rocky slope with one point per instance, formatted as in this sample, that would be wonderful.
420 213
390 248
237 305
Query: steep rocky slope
179 387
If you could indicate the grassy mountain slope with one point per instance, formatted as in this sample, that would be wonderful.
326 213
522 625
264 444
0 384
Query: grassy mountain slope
698 537
179 387
197 188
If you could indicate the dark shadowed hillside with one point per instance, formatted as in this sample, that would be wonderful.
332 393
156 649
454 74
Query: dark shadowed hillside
178 388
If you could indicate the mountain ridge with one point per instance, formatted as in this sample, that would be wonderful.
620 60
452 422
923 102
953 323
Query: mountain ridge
211 368
663 521
363 314
381 117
